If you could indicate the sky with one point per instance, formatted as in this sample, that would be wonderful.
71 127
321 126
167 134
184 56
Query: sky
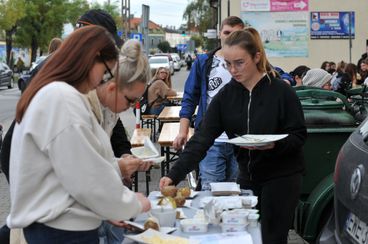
162 12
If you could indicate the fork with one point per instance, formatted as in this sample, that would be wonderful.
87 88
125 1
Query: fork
249 138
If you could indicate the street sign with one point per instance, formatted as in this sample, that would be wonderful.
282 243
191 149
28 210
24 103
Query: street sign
137 36
182 47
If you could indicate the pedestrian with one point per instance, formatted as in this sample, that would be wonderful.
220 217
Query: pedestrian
207 77
254 102
189 61
60 171
319 78
109 99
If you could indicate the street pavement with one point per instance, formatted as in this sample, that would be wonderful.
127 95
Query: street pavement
7 114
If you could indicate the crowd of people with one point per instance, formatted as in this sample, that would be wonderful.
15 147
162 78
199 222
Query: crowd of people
70 179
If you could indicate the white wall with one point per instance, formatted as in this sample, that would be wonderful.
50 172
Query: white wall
321 50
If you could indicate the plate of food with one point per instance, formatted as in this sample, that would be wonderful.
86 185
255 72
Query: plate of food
151 236
255 140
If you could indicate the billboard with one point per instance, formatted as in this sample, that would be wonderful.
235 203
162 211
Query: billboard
332 25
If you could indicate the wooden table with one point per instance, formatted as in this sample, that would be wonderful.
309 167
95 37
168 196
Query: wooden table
169 114
167 136
177 98
137 140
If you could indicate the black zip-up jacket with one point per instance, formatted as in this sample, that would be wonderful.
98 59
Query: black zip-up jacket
271 108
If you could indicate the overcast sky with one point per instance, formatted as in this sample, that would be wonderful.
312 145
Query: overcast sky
162 12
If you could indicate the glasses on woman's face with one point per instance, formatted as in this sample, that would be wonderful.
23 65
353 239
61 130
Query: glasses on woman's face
108 74
237 64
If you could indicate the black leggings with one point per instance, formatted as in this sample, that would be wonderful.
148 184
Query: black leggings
277 200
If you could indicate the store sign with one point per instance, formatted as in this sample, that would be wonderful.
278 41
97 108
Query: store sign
332 25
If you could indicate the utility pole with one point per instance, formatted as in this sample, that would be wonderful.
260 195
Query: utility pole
125 15
145 25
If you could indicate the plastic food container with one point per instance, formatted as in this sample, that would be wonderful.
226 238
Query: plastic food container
238 216
233 227
253 220
194 225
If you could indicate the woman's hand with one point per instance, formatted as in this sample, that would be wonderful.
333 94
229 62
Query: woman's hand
146 204
129 164
165 181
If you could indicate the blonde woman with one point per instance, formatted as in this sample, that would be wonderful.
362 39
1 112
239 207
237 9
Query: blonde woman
159 89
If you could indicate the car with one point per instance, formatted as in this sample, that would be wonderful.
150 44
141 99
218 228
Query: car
177 61
160 61
349 222
6 76
24 78
171 61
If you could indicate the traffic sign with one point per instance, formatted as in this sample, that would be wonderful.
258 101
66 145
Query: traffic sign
137 36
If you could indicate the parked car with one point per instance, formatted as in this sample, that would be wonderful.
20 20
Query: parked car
177 61
329 124
24 78
6 76
171 61
160 61
349 223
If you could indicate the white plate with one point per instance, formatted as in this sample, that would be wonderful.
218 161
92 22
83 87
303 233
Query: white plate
151 236
156 161
251 140
140 227
147 151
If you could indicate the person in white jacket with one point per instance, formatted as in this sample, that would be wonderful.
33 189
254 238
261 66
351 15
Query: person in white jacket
64 177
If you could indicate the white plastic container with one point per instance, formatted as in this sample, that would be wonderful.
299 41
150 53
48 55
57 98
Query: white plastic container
237 216
233 227
194 225
253 220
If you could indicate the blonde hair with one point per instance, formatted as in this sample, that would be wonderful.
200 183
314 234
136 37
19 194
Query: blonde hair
168 77
133 64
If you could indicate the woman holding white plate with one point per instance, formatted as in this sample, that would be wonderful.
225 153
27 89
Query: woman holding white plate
255 102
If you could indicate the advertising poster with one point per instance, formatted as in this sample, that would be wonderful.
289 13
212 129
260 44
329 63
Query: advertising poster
332 25
284 34
274 5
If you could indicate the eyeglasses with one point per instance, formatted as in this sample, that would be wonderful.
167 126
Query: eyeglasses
108 74
132 101
237 64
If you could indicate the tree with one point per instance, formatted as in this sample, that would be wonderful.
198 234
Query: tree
198 15
164 46
44 20
11 11
198 40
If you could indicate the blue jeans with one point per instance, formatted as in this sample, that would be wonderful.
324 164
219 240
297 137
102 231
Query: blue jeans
38 233
110 234
219 165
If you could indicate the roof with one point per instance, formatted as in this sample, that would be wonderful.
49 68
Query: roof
135 22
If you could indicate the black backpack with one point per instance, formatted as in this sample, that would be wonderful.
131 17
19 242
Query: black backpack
143 102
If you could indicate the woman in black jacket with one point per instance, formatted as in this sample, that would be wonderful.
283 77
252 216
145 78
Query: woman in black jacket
255 102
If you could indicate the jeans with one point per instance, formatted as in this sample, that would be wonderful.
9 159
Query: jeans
157 110
110 234
219 165
38 233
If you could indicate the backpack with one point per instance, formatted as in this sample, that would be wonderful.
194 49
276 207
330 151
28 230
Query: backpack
143 102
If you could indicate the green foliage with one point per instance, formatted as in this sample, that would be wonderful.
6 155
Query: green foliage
164 46
112 8
198 40
198 14
10 12
44 20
